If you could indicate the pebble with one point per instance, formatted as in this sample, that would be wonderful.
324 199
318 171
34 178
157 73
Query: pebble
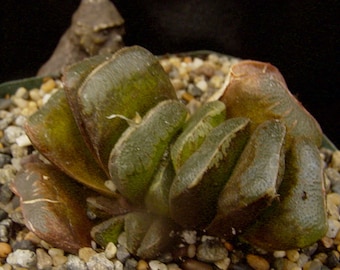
75 263
86 253
5 194
122 253
130 264
11 133
118 265
5 249
48 86
279 253
333 228
335 161
189 236
99 262
293 255
142 265
313 265
157 265
24 244
257 262
223 264
110 250
192 264
211 251
22 258
5 103
284 264
333 259
44 261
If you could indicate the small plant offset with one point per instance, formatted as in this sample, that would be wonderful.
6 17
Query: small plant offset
246 165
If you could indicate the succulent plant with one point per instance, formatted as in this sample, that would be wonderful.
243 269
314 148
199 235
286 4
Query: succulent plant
245 166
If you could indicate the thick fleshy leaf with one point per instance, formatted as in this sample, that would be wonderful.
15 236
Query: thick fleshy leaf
73 77
157 238
100 207
53 206
196 187
196 130
299 218
137 154
254 181
108 231
131 81
136 226
54 133
258 91
157 196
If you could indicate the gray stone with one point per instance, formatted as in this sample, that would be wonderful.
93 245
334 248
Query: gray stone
13 132
75 263
130 264
211 251
122 253
99 262
4 159
22 258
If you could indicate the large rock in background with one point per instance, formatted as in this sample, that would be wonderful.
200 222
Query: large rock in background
299 37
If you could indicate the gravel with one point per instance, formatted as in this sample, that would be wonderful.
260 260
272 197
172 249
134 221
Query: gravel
195 79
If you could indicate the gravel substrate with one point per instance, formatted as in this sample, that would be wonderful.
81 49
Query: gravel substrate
195 79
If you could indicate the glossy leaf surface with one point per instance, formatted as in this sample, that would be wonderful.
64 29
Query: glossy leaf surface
258 91
53 206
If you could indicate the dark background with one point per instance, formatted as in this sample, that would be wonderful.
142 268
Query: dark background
301 38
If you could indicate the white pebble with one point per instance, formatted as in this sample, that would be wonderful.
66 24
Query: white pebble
20 120
333 228
110 250
117 265
74 262
110 185
11 133
203 85
189 237
197 63
21 92
23 141
223 264
279 253
22 258
157 265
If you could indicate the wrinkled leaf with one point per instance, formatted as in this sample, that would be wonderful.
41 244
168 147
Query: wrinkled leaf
254 181
138 152
157 197
156 239
196 130
258 91
53 206
299 218
136 226
108 231
195 189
